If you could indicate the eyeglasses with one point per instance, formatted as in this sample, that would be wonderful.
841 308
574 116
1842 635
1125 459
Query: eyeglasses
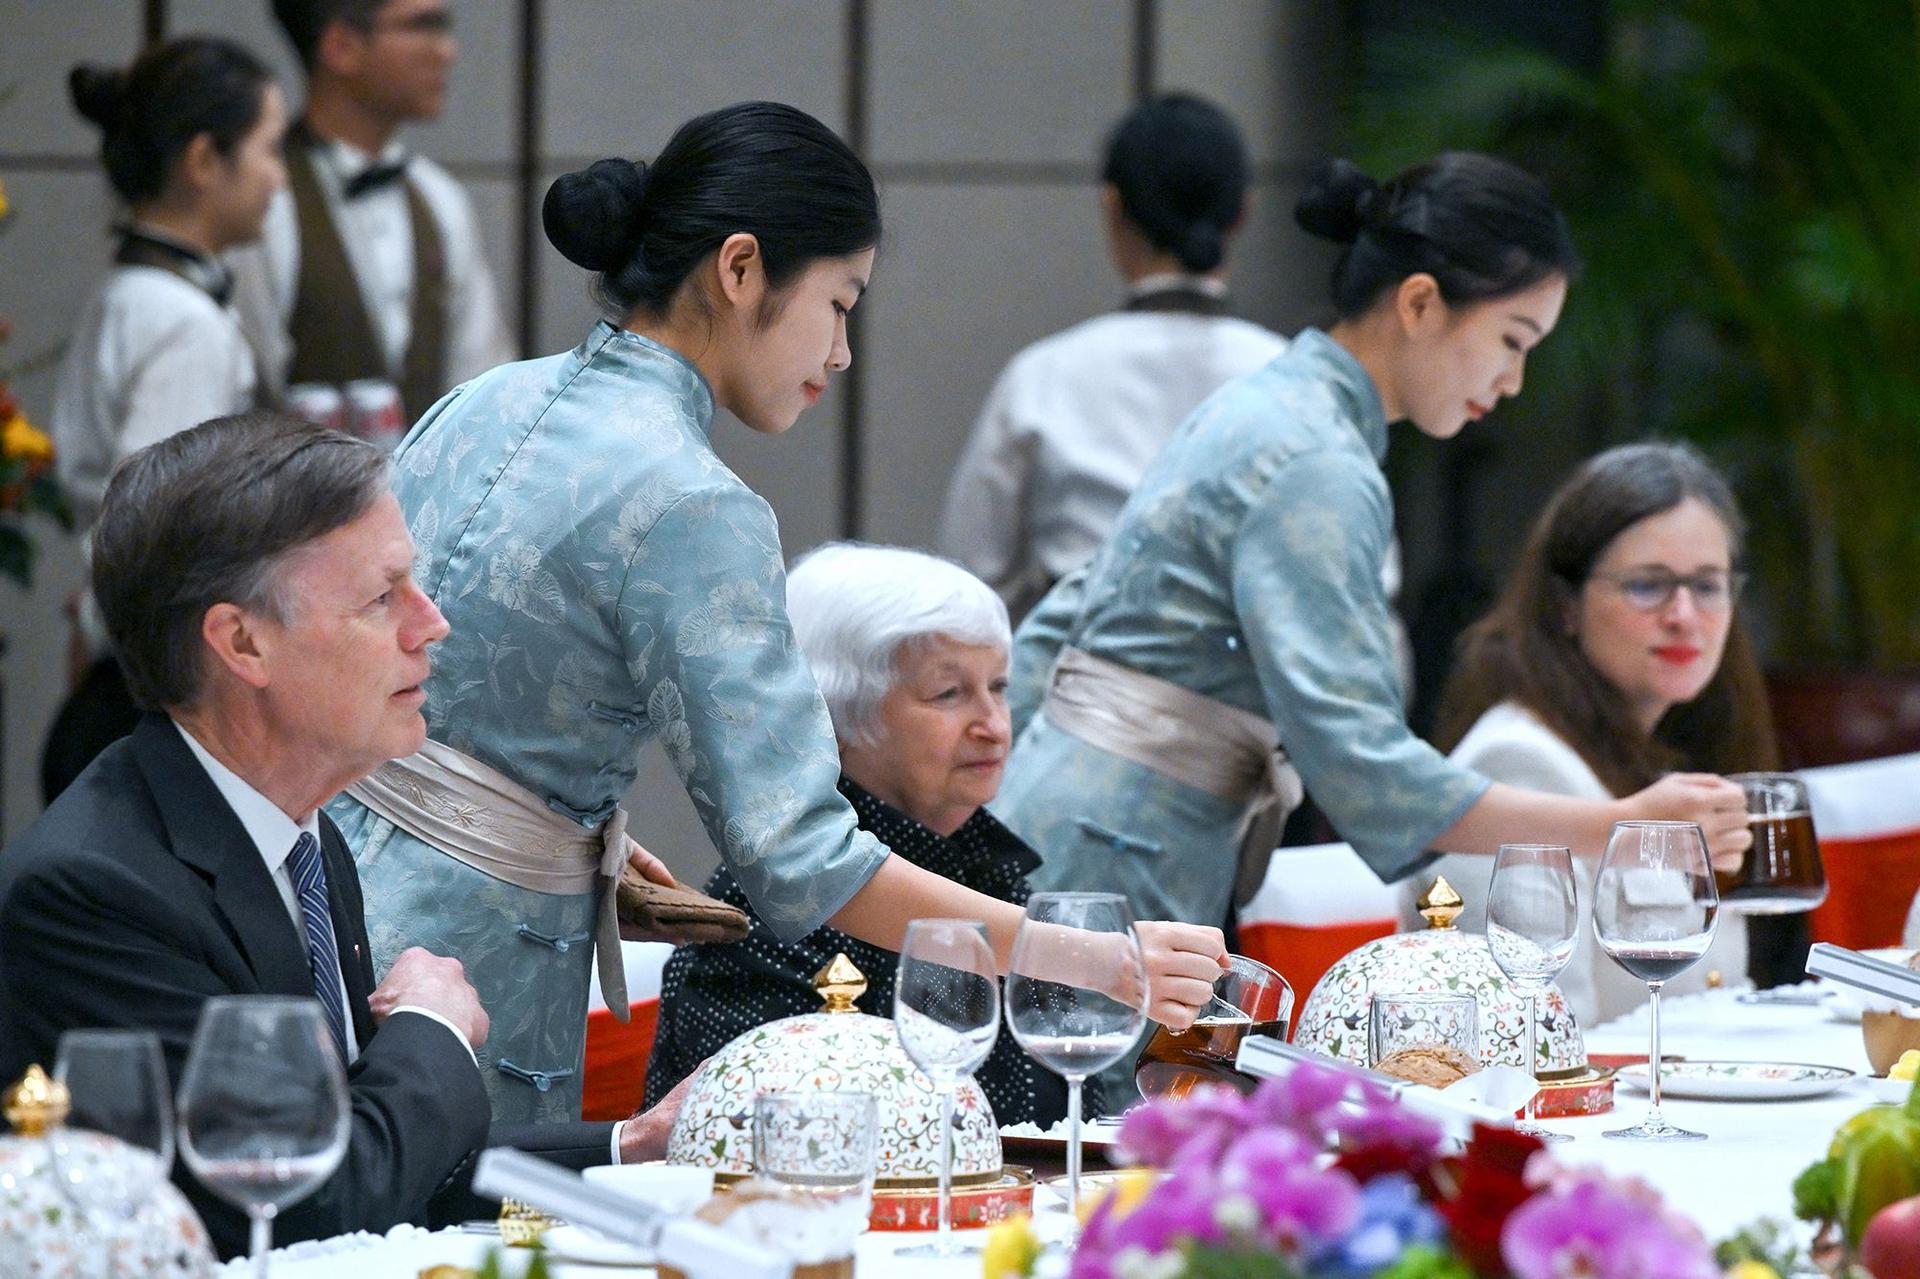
1651 590
431 22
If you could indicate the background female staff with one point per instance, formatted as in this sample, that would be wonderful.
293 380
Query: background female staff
190 140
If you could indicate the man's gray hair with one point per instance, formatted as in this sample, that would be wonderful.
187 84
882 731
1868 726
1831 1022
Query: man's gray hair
210 516
855 607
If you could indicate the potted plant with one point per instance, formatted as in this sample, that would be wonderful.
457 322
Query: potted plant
1744 180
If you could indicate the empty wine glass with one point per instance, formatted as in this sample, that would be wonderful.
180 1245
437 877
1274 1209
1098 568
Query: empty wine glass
263 1107
1654 910
1076 995
116 1085
946 1007
1533 919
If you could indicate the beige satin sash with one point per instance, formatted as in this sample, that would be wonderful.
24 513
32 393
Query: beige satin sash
1188 736
480 816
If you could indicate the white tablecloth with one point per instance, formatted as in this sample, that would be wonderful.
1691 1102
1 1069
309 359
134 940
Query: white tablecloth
1743 1171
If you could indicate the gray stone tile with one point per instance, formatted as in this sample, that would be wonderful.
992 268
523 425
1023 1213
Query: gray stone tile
620 76
997 81
1271 64
970 274
40 44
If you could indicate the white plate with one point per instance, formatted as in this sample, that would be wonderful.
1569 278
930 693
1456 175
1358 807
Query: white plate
571 1243
1891 1091
1739 1080
1093 1133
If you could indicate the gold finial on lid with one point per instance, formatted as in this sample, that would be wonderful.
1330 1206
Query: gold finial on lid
839 984
1441 905
36 1103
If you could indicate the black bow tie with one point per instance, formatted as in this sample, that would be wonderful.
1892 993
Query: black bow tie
374 177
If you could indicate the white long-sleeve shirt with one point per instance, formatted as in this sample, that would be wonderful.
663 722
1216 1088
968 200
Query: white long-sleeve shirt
1069 428
151 356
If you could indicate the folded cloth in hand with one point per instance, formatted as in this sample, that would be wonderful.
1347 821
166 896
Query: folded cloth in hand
674 913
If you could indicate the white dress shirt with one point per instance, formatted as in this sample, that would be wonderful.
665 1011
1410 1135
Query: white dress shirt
152 355
274 833
1071 425
377 233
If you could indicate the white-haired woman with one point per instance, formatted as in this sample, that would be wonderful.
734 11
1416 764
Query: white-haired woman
910 652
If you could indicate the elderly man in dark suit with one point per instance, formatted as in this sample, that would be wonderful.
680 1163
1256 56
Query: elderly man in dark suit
256 577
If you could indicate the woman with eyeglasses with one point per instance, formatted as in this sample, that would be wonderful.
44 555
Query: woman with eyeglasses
1614 656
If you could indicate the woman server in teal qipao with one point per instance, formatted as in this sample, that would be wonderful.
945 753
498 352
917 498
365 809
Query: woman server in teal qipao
1237 607
609 581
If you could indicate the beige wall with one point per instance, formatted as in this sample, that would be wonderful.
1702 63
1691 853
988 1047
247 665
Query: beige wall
985 120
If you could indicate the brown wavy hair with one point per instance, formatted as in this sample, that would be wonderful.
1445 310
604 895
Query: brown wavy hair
1523 649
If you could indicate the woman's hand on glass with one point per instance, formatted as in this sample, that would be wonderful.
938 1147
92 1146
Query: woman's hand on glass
1716 805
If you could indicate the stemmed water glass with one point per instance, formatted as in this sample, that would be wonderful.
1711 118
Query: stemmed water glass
946 1007
1533 918
1654 910
263 1107
1076 995
117 1085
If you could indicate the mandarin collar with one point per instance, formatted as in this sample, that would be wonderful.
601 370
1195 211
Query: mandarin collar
1352 386
644 355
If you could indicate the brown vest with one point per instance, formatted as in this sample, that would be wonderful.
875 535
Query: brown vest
331 330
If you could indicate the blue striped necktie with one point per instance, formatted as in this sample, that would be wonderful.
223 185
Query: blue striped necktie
323 952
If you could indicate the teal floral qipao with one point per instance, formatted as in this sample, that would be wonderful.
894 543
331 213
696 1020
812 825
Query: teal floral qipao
608 582
1246 567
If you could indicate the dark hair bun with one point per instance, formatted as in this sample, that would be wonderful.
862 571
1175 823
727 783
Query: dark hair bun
593 215
1203 248
1337 201
98 93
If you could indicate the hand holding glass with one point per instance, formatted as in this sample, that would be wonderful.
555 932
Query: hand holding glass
1533 918
946 1009
1248 999
1654 911
263 1107
1071 951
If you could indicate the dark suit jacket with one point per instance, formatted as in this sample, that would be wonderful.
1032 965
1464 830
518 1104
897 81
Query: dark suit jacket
139 895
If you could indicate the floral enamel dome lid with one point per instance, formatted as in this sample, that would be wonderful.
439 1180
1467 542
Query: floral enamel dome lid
839 1049
1439 958
47 1239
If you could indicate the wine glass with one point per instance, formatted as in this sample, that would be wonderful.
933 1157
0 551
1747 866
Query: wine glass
946 1007
1076 995
1654 910
117 1085
263 1107
1533 919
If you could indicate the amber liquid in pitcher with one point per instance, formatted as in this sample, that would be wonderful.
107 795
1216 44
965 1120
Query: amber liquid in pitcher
1175 1062
1781 874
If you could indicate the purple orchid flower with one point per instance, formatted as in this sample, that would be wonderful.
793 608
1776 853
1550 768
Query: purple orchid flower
1588 1225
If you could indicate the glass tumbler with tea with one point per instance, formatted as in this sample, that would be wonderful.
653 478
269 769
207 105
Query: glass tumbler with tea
1781 874
1425 1038
1248 999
